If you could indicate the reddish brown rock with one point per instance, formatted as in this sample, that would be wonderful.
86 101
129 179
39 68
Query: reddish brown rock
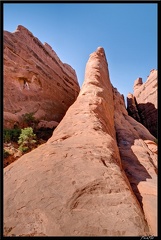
74 184
138 153
35 79
46 124
138 82
144 102
132 108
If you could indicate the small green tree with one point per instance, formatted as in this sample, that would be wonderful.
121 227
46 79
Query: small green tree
26 139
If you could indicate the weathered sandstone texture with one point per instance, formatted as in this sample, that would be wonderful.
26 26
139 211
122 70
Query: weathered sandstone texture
35 80
138 153
75 183
142 104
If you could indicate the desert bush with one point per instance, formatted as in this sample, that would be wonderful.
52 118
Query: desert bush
29 119
23 149
26 139
11 134
5 153
6 135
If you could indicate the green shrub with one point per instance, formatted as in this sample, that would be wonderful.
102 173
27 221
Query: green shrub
23 149
6 136
26 139
5 153
11 135
29 119
15 134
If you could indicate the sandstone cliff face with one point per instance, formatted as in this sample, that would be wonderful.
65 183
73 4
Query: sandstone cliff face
35 79
142 104
75 184
138 153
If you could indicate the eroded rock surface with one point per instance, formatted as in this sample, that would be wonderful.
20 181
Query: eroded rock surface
138 153
35 79
75 185
142 104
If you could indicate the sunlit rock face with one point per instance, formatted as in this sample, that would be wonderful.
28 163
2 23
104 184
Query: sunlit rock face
77 183
142 104
138 152
35 80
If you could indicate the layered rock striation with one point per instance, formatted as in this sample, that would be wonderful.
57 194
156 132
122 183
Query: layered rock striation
142 104
35 79
75 184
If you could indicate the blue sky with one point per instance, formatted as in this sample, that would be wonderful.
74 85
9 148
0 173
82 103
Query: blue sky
126 31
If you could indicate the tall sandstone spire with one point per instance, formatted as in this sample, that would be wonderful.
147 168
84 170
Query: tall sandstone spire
75 184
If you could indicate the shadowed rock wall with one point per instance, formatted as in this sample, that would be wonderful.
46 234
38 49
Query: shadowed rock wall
142 104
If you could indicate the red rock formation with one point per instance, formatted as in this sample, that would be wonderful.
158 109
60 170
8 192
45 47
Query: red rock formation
35 79
142 105
138 153
131 107
74 185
